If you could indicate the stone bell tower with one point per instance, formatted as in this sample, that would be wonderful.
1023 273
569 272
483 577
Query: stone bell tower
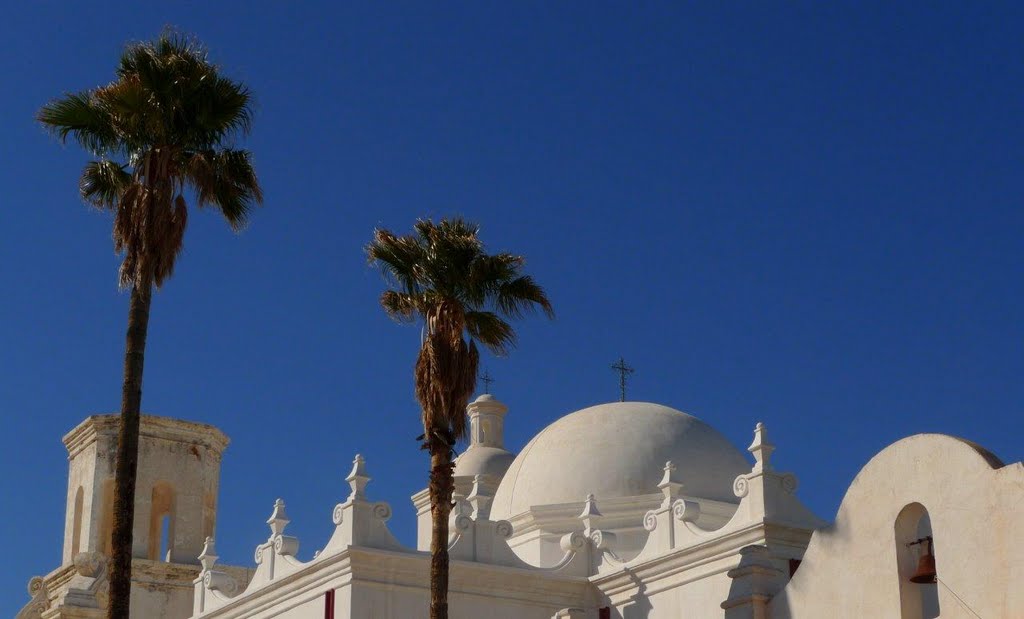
175 494
175 510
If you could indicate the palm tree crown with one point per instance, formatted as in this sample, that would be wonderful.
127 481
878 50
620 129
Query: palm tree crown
163 126
442 276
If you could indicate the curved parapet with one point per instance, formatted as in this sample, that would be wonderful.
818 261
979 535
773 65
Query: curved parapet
84 584
926 486
39 603
486 541
274 558
357 522
360 525
767 497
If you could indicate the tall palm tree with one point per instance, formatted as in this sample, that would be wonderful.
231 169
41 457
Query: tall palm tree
442 276
162 129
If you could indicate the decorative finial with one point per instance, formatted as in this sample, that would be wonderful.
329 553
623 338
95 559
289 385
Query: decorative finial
624 372
669 485
590 508
761 449
358 478
486 379
478 498
669 476
278 519
590 516
208 557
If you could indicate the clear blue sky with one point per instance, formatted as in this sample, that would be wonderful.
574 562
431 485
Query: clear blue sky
804 214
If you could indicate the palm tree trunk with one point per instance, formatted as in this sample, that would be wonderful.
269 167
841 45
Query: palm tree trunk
128 452
442 484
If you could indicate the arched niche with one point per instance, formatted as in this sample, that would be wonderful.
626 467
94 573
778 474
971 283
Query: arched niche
917 601
76 530
161 522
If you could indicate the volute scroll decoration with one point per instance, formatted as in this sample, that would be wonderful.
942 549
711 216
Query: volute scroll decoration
573 541
651 520
382 511
686 511
286 545
740 487
789 483
503 528
35 585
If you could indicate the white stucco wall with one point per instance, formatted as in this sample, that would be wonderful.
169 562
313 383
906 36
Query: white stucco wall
976 507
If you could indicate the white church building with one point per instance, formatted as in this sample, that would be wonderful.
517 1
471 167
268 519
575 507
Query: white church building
626 510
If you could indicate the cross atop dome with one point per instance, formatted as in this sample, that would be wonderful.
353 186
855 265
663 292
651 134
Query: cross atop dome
486 379
624 372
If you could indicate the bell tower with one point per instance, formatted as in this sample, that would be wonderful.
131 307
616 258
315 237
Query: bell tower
175 494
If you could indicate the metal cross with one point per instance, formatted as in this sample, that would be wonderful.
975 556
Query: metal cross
624 372
487 380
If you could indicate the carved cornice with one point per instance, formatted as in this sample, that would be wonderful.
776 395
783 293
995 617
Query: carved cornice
683 559
619 513
152 427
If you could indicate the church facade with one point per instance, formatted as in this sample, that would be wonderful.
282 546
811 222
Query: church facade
626 510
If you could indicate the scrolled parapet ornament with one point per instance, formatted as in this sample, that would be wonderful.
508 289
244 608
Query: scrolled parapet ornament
602 540
651 520
219 581
573 541
286 545
258 555
338 515
461 516
463 523
741 486
382 511
686 511
789 483
40 601
503 528
36 585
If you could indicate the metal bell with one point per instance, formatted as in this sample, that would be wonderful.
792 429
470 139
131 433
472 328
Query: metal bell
925 573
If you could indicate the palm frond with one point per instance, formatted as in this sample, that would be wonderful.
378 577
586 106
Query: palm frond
222 110
520 296
486 274
490 330
400 259
103 183
226 180
400 306
134 115
81 116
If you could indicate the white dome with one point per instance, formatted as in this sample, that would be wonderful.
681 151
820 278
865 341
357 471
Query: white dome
618 450
483 460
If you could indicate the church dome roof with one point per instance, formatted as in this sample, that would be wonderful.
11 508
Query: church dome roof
618 450
483 460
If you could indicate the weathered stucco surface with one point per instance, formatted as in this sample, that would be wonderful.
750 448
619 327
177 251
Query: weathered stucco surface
175 509
976 508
